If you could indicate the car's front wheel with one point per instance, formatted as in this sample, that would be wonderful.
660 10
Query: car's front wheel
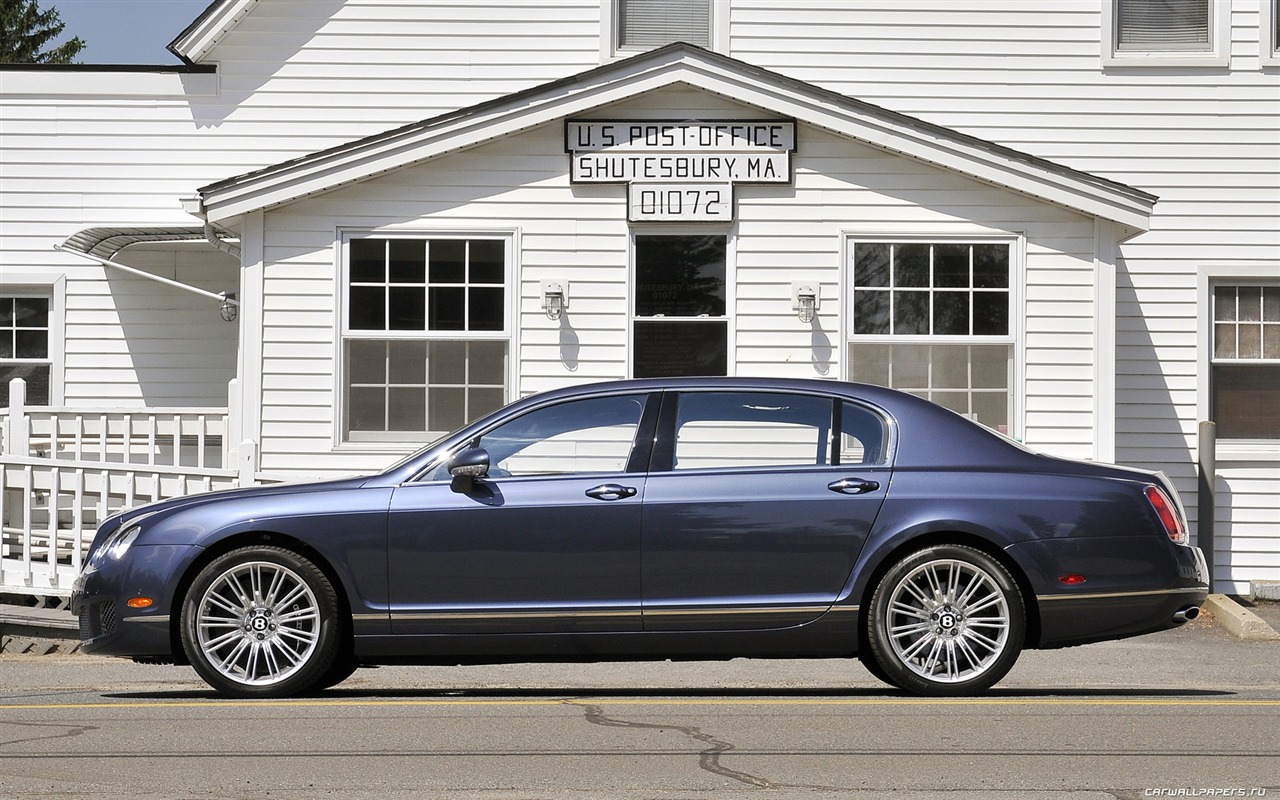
946 620
261 622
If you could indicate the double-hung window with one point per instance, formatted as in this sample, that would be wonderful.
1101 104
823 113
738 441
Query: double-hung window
24 347
426 338
680 324
934 319
1245 367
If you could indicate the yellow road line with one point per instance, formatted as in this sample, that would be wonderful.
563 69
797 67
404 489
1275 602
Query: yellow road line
611 701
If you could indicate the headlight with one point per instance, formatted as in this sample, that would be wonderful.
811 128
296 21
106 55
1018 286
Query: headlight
120 545
116 545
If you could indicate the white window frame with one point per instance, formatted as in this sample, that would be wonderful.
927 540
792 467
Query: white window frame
1268 38
609 50
1209 277
730 288
390 440
1015 338
1216 55
54 289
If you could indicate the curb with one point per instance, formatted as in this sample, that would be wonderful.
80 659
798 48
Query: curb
1239 621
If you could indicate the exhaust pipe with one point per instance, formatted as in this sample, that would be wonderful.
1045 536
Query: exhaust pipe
1187 614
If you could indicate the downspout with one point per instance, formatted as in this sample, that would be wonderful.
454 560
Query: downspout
218 242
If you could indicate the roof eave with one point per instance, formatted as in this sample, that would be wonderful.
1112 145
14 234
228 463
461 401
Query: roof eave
751 85
204 33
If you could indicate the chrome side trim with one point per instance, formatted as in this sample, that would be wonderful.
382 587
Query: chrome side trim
1106 595
158 618
620 614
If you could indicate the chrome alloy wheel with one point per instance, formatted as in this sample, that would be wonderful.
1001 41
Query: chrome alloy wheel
948 621
258 623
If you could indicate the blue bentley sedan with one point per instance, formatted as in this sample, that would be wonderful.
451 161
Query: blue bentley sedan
656 519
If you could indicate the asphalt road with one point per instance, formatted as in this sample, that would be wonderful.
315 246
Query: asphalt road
1186 713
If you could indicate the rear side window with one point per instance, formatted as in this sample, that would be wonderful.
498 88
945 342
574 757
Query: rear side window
773 429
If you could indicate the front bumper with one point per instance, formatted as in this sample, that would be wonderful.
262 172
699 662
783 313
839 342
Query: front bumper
99 598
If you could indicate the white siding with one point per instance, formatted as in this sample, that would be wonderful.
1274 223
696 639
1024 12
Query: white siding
579 234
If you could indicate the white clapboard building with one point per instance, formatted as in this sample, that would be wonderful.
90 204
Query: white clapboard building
343 227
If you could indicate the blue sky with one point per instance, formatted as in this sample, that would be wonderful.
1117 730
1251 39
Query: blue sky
126 31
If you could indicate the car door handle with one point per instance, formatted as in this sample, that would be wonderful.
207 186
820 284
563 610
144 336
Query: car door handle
853 486
611 491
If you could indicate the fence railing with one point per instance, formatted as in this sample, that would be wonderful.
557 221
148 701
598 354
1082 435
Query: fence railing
65 470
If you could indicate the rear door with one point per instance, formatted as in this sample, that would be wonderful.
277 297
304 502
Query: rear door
757 507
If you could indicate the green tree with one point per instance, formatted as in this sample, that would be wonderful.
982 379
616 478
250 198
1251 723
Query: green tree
25 30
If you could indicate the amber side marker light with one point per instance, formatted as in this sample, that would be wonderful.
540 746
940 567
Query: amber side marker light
140 602
1072 580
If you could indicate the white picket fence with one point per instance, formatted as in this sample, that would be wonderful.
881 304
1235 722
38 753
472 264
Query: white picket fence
64 470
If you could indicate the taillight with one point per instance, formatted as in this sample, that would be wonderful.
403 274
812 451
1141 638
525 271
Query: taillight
1168 514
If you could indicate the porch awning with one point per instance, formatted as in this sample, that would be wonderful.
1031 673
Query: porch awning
106 242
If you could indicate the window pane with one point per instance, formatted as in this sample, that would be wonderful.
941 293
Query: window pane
6 311
488 363
31 312
990 313
367 408
593 435
863 436
448 363
6 343
1250 303
408 308
870 363
367 362
991 266
407 408
951 265
1162 24
37 378
1271 303
1244 401
368 308
368 260
448 261
951 372
482 401
911 313
654 23
408 261
909 368
871 265
951 314
911 265
670 349
1224 344
680 276
447 308
870 312
407 363
1250 341
488 261
751 429
486 312
447 409
1224 303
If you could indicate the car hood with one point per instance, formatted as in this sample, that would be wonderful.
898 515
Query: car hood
164 508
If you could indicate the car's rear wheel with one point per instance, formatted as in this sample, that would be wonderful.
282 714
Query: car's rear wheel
262 622
946 620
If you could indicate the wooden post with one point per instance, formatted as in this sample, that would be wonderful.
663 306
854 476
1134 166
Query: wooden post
17 438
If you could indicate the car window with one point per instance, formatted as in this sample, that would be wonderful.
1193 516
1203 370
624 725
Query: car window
864 437
751 429
589 435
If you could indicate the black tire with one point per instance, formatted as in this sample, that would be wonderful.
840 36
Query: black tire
262 621
946 621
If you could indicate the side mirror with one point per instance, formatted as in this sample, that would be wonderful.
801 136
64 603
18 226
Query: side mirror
466 466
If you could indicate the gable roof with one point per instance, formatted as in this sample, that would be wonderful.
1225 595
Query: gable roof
693 66
198 38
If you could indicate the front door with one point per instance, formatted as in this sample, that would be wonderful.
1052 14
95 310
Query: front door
548 542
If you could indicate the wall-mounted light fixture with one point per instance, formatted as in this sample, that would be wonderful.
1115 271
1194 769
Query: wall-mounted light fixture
804 300
555 297
230 307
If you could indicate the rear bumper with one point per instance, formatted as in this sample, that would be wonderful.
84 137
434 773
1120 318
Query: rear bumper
1134 585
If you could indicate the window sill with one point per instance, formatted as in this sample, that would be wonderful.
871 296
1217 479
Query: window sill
1248 450
1166 59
